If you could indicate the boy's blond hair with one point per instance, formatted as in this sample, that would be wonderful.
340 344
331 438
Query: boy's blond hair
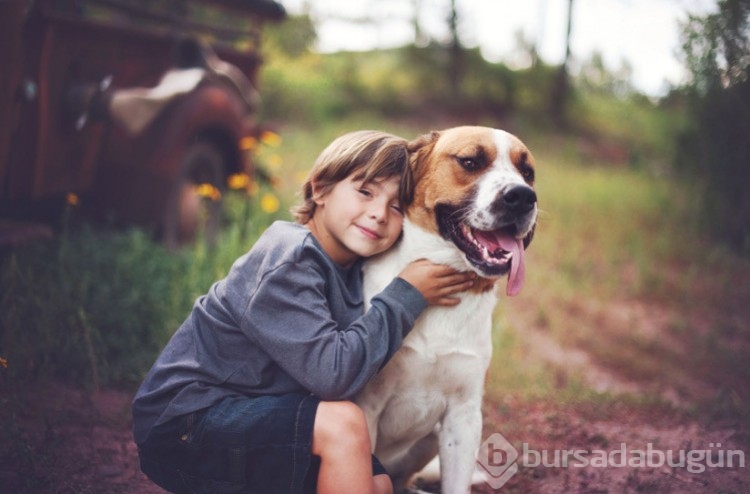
369 154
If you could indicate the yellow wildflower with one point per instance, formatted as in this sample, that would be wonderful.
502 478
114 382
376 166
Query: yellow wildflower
238 181
208 191
248 143
269 203
270 138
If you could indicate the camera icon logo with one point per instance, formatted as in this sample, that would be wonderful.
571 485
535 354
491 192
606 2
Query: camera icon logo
496 460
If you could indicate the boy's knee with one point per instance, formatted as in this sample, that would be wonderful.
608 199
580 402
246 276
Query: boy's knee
350 415
342 417
341 421
381 484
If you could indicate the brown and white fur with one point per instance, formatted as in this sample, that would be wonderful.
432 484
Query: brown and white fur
471 182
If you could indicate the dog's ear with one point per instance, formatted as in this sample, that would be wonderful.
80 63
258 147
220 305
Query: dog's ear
419 148
423 141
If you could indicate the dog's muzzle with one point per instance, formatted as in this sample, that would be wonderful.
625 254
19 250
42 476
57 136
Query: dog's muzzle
497 247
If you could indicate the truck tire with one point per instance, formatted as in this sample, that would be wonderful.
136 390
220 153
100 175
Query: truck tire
195 203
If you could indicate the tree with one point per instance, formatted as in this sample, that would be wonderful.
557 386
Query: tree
562 82
456 66
717 47
714 150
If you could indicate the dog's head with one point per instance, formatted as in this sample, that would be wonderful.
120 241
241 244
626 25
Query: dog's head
474 187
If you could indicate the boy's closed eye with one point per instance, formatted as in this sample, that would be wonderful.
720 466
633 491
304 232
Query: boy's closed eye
365 192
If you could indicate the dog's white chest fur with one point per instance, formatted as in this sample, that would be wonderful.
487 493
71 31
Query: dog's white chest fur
439 371
439 331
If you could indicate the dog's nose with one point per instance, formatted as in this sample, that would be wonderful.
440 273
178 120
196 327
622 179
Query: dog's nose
519 199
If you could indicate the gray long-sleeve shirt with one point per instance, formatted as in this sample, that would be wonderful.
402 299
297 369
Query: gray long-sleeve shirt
285 319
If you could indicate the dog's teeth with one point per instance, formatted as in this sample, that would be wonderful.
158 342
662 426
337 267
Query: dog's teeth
498 256
502 254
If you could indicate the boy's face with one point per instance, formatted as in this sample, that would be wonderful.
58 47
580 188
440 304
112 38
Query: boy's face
358 220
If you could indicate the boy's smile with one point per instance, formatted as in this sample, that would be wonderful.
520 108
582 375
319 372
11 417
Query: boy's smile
357 220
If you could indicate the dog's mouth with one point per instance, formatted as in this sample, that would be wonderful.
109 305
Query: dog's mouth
493 253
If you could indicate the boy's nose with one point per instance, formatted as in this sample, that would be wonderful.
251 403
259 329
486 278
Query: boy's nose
379 212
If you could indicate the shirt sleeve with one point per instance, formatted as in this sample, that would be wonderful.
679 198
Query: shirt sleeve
290 319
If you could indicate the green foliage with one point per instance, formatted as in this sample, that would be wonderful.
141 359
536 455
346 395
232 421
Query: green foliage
618 125
72 308
714 147
629 130
305 90
717 47
291 38
399 82
96 306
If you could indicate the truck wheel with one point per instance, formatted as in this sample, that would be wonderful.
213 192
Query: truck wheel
194 206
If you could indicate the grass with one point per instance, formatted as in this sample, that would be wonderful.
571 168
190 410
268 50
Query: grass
96 306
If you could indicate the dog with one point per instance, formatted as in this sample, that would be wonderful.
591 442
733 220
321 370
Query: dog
474 208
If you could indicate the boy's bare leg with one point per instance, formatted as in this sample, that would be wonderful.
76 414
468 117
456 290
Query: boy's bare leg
342 441
381 484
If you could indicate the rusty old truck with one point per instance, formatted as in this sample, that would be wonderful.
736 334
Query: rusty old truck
128 106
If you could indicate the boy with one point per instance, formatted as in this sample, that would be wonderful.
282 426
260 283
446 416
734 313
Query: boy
250 394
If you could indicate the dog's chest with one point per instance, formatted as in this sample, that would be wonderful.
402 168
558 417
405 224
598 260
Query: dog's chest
445 355
443 359
464 329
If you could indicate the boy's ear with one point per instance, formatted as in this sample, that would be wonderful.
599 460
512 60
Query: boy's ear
316 193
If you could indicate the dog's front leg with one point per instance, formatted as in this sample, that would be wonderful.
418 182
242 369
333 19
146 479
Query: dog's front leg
460 436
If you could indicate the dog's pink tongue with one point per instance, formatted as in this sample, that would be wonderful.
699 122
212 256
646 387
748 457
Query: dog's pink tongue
517 266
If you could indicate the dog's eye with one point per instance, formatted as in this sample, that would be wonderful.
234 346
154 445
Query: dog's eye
527 172
470 164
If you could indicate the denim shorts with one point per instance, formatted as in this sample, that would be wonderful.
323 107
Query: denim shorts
242 444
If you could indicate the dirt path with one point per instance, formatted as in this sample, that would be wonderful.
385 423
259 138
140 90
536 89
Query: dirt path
63 440
666 413
609 440
58 439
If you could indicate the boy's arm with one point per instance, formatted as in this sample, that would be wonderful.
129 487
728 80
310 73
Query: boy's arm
289 317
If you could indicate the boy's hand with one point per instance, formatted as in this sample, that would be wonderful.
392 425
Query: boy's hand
437 282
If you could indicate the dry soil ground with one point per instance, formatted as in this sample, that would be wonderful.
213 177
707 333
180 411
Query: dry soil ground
66 440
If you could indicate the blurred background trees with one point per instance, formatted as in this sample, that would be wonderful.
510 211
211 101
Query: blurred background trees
714 146
703 128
